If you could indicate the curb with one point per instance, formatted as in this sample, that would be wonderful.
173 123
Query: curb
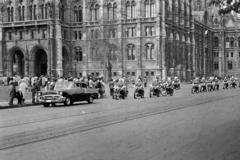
17 106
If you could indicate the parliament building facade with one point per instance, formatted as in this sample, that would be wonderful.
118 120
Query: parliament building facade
109 38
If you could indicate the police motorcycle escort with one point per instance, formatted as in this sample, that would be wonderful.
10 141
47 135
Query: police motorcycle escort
155 88
215 84
209 83
176 83
203 85
167 87
195 86
120 89
225 83
233 83
139 90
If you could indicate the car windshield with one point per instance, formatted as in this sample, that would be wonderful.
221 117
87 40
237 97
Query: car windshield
63 85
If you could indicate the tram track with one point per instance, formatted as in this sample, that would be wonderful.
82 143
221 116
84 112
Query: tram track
103 120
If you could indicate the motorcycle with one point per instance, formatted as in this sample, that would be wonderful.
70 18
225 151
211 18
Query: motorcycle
215 86
139 93
195 88
225 85
154 91
203 87
233 84
119 93
176 85
168 90
209 86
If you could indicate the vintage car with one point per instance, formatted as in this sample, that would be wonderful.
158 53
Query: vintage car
67 93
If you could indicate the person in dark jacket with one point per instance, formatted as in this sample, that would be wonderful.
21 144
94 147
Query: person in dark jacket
34 91
12 94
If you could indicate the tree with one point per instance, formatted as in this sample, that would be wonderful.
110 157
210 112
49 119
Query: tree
226 6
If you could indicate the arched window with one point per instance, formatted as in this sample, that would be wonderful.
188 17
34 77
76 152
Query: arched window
20 13
114 10
152 8
112 54
109 11
128 8
12 11
231 42
23 13
131 52
94 12
149 8
216 42
227 42
78 54
31 12
46 11
230 65
9 14
80 15
149 51
131 9
35 12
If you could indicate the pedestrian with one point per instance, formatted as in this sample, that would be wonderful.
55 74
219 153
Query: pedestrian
34 91
111 87
12 94
22 90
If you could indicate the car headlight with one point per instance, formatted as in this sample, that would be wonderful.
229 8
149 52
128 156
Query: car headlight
60 93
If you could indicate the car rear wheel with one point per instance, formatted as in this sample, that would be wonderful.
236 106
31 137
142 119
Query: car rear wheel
68 102
90 100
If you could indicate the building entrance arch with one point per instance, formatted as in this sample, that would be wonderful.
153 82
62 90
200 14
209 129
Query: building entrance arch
17 62
40 62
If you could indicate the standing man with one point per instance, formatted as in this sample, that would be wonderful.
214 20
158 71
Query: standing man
12 94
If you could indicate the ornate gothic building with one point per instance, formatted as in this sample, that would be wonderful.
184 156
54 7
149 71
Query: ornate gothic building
105 37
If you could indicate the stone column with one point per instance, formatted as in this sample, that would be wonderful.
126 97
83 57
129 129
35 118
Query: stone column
163 40
188 59
1 51
172 51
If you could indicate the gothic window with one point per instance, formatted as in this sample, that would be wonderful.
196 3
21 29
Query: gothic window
112 54
131 9
35 12
216 66
109 11
216 42
149 8
230 65
131 52
20 12
78 54
12 11
78 14
114 10
30 12
149 51
75 35
94 12
227 42
9 14
80 35
231 42
23 13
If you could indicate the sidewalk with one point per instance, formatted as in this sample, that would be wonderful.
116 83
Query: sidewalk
5 105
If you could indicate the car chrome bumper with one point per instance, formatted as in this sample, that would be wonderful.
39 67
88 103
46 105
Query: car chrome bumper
59 100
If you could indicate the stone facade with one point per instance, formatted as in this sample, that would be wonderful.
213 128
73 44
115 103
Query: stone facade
109 38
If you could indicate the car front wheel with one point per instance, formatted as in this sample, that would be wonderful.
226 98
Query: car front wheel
68 102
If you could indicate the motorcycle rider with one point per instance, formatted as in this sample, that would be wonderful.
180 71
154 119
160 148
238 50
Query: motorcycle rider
202 84
225 83
233 81
176 83
139 86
